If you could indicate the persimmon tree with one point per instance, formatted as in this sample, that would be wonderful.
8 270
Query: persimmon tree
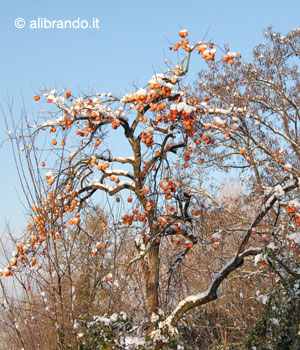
241 118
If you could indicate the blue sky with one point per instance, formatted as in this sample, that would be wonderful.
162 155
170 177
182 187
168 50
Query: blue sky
129 47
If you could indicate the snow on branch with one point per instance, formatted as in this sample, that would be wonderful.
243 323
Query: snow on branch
122 160
221 111
96 185
210 294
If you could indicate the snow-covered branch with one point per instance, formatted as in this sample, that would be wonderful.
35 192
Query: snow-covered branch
127 160
210 294
96 185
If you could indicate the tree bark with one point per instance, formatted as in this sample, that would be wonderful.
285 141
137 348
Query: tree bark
151 277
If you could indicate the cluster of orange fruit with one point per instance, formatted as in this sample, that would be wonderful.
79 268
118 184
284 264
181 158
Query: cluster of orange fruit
136 216
145 169
24 250
207 139
279 158
228 59
188 121
149 205
140 100
69 120
103 166
86 131
167 187
115 124
170 208
164 220
188 244
293 211
184 44
38 229
195 212
145 190
75 220
207 53
215 242
114 178
50 179
97 246
147 137
72 203
187 156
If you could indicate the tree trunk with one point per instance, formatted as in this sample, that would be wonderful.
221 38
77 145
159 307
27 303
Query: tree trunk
151 278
